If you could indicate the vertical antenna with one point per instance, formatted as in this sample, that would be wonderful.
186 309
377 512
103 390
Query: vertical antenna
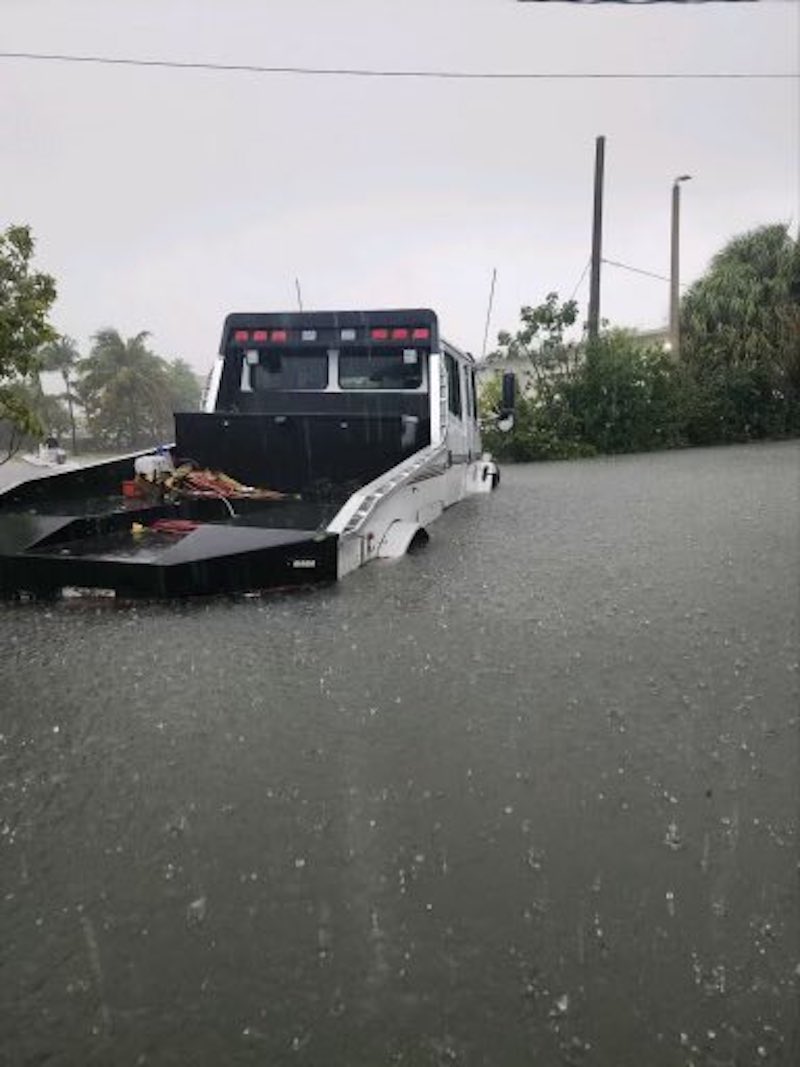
299 294
489 313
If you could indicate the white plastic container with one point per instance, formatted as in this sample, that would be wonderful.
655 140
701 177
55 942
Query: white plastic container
151 466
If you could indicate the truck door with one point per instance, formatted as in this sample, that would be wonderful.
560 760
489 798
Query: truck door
472 424
457 442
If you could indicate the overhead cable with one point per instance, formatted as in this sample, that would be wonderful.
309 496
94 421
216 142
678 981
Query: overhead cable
636 270
364 72
647 273
583 275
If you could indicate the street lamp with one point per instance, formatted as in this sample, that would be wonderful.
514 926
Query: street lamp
674 277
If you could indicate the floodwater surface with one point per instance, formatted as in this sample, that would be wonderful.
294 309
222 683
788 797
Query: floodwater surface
529 796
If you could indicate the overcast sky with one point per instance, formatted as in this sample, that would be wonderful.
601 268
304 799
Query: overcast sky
163 199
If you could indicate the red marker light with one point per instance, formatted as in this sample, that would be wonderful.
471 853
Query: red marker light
279 335
400 334
259 335
421 333
242 336
379 334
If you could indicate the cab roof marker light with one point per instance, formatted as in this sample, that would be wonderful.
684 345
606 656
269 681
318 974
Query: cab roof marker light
400 333
241 336
421 333
308 335
260 335
379 333
279 335
348 335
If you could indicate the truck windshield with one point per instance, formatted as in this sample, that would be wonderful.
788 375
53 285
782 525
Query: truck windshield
393 368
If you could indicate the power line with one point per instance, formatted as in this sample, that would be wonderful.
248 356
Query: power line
583 275
359 72
642 1
647 273
636 270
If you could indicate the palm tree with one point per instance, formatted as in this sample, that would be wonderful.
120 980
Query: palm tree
125 390
744 310
740 328
185 390
63 357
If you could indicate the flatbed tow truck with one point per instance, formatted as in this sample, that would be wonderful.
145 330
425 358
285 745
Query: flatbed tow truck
342 436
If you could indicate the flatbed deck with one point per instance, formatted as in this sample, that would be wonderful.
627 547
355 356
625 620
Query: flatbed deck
54 540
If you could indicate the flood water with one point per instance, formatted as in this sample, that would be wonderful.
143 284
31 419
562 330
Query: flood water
529 796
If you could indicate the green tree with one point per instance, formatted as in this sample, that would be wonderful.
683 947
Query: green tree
62 356
540 340
545 427
26 297
740 328
125 391
621 396
184 388
629 397
49 411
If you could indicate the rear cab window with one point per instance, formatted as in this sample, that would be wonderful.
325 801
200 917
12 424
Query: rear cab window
381 368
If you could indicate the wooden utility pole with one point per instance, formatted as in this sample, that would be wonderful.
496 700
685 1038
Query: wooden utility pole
597 240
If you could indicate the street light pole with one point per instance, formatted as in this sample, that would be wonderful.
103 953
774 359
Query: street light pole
674 275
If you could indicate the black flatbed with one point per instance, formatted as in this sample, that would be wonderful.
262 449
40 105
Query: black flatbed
70 534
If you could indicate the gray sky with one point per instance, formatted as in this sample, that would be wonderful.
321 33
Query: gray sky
164 199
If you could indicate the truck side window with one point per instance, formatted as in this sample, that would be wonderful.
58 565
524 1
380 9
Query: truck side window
453 386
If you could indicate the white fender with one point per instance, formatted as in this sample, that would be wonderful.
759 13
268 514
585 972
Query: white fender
397 539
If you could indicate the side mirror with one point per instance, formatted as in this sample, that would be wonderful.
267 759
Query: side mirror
509 392
505 417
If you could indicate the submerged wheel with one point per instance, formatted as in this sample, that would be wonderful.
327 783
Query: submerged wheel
418 541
